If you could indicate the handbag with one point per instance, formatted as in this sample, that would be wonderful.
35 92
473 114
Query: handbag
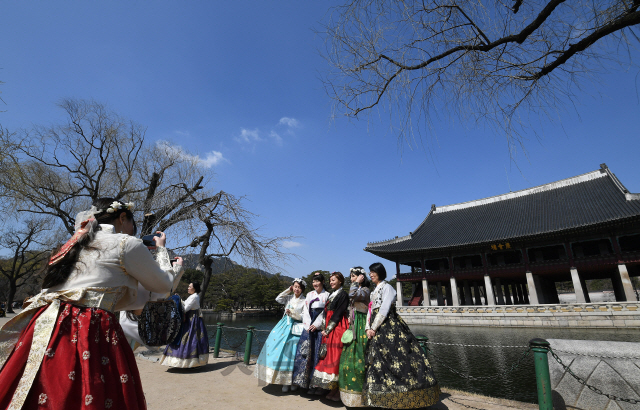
159 323
347 336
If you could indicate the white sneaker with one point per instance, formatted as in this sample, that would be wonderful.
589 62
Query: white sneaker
285 389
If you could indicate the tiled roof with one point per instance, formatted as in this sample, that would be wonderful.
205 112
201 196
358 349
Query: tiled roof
588 199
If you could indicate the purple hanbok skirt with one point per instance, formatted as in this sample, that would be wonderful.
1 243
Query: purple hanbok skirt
191 347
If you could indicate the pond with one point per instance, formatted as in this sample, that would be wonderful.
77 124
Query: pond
494 361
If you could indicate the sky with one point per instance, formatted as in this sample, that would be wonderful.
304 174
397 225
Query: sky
238 84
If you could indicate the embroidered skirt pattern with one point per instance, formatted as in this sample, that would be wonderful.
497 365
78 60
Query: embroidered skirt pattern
398 374
87 364
191 347
352 364
307 353
326 372
275 362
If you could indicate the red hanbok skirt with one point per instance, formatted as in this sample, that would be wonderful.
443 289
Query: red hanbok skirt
326 372
87 365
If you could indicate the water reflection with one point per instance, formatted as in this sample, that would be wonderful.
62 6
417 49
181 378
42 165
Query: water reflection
475 361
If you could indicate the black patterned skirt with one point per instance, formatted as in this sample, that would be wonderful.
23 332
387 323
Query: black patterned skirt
398 374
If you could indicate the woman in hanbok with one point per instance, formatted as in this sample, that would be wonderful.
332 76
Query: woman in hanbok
67 349
352 360
275 363
191 347
336 313
398 374
306 357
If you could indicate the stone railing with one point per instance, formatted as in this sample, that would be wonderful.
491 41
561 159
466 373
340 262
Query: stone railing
608 372
577 315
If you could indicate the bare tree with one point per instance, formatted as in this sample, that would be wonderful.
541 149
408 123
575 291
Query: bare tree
28 252
58 171
501 62
230 229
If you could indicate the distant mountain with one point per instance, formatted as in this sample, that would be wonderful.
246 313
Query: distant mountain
221 265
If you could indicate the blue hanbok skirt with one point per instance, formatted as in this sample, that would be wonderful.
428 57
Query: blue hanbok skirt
275 363
191 347
307 353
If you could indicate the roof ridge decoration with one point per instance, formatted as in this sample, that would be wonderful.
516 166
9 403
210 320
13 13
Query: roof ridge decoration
528 191
390 241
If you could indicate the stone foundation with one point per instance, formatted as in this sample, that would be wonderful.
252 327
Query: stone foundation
579 315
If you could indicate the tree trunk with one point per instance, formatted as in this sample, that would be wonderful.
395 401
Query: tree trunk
207 270
12 293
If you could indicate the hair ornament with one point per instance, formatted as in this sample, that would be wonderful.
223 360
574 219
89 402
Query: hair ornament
300 281
357 271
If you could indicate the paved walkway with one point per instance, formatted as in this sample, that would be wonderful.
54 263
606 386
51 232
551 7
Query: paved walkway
227 383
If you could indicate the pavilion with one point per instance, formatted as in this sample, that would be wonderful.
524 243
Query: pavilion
513 248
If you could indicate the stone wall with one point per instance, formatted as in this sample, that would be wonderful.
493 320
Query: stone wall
612 367
582 315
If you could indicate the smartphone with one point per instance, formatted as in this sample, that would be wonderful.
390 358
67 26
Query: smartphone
173 260
147 240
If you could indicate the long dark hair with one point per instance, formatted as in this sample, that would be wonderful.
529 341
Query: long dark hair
60 271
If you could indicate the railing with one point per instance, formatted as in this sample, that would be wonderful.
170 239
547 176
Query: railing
252 333
540 348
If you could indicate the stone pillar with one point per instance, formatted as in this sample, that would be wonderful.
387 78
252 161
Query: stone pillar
476 294
517 296
447 287
489 291
582 295
426 299
455 301
399 300
468 300
525 294
507 294
533 290
499 292
624 284
439 299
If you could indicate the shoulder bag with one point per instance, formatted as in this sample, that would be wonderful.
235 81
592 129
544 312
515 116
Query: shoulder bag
159 323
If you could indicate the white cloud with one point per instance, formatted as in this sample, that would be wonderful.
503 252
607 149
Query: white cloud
211 159
247 136
277 138
289 122
291 244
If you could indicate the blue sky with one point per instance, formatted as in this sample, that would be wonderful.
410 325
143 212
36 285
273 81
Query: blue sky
237 83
